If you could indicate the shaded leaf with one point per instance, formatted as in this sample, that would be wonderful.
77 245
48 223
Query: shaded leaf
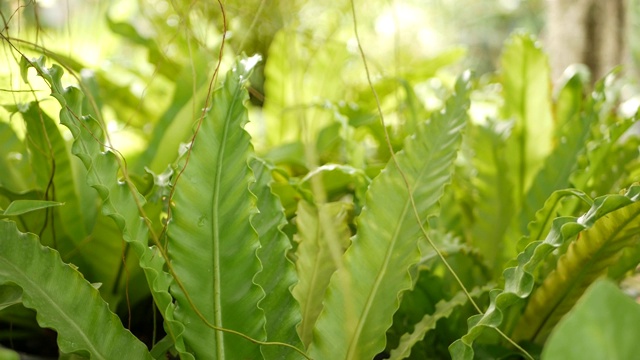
19 207
587 258
494 190
51 160
278 274
444 308
63 299
121 200
319 228
519 280
603 325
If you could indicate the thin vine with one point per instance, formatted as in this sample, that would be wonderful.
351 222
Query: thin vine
408 186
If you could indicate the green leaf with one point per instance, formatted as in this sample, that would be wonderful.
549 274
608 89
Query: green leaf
19 207
586 259
543 219
176 123
8 354
526 83
63 299
10 295
364 292
494 188
519 280
212 245
444 308
299 77
604 324
121 200
320 229
17 176
278 274
568 147
160 349
52 161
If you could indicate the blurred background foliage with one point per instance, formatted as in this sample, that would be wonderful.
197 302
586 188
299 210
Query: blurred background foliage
144 53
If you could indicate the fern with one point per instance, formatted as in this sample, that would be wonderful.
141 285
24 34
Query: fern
278 274
444 309
587 258
364 293
121 201
519 280
79 315
315 261
212 244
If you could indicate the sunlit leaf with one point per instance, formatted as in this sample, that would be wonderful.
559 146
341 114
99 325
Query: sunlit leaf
212 244
364 292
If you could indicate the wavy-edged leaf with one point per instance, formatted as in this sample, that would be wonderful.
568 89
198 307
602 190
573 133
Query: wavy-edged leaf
121 200
318 228
19 207
603 325
278 274
212 245
63 299
364 294
494 189
527 99
569 146
586 259
519 280
543 218
444 308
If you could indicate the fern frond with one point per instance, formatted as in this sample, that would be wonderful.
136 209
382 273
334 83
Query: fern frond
587 258
519 280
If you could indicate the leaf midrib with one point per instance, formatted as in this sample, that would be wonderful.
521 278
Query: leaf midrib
217 308
433 150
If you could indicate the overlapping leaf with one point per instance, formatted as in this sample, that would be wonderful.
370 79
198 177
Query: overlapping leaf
212 245
444 308
364 293
299 76
586 259
63 299
121 201
51 161
569 146
319 228
526 83
603 325
494 188
519 280
278 274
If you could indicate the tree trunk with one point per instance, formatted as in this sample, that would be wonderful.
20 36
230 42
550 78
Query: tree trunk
591 32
